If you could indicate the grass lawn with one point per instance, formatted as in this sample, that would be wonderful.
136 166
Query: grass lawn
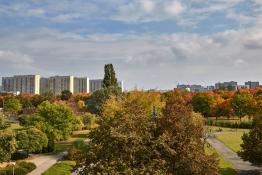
14 126
225 167
62 168
232 141
223 129
65 145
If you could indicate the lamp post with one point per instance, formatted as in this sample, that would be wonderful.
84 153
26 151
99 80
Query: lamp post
13 163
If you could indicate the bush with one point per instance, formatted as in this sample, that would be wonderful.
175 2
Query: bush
18 155
21 168
230 124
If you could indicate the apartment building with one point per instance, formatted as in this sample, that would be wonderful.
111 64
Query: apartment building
97 84
252 85
227 85
81 85
29 84
57 84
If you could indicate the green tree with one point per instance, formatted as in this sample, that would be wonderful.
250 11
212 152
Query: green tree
252 141
110 76
3 123
12 105
242 104
31 140
66 95
203 102
7 145
57 122
96 101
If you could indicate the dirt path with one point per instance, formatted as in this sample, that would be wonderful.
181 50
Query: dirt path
243 167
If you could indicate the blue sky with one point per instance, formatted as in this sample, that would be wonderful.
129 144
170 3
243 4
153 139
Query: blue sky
152 43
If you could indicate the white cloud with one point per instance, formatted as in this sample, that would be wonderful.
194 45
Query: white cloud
174 8
148 5
15 59
65 18
168 58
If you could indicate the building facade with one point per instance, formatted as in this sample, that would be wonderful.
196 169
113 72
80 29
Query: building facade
97 84
232 85
57 84
252 85
81 85
24 84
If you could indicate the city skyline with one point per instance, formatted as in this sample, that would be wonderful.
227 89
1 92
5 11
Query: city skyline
152 43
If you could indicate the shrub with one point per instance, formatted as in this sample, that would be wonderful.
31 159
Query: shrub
230 124
21 168
18 155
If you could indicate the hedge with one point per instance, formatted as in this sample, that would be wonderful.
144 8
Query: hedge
230 124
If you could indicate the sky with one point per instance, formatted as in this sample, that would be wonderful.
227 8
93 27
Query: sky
152 43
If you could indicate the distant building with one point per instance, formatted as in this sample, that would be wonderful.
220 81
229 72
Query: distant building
97 84
57 84
81 85
29 84
194 88
252 85
211 88
232 85
242 87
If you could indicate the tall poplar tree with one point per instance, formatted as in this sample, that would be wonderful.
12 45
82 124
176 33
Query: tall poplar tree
110 76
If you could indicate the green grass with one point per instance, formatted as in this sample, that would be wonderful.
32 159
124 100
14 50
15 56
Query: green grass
232 141
224 129
225 167
65 145
62 168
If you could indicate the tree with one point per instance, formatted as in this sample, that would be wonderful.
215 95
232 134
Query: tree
252 141
242 104
96 101
66 95
12 105
135 143
57 122
7 145
224 109
110 76
203 102
3 123
31 140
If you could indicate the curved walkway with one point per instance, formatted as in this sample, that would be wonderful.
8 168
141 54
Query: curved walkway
44 162
243 167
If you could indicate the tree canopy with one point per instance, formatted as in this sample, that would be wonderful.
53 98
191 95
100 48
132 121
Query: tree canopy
7 145
31 140
110 79
132 142
202 102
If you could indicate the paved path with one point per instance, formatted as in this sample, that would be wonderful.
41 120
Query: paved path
243 167
44 162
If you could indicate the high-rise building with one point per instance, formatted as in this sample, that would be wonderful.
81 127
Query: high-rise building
57 84
252 85
97 84
81 85
232 85
29 84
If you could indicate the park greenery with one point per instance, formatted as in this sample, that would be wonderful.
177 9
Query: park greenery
135 132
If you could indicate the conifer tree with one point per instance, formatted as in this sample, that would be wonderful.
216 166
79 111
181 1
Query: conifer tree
110 76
